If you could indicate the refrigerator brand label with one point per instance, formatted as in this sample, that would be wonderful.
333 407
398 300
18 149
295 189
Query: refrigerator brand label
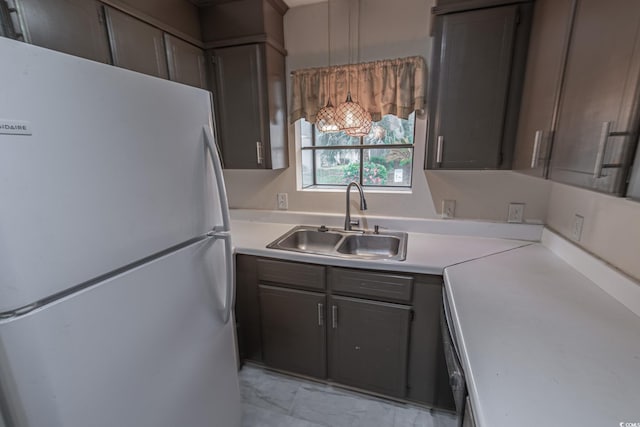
14 127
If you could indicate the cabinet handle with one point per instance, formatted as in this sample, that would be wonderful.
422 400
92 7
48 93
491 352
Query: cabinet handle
334 316
602 146
259 152
439 149
320 314
537 142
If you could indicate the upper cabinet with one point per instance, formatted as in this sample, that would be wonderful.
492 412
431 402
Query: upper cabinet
136 45
75 27
579 117
597 126
634 184
187 62
251 106
475 84
545 65
245 40
118 35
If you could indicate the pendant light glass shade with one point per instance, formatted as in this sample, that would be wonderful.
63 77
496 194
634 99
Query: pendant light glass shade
364 129
326 119
350 115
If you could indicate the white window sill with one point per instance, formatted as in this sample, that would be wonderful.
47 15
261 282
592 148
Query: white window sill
367 190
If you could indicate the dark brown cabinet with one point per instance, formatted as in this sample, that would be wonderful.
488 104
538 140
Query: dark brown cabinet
251 106
294 330
634 183
373 330
369 344
545 65
75 27
136 45
475 86
187 63
598 110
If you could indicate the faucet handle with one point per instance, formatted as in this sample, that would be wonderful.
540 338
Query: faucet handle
354 222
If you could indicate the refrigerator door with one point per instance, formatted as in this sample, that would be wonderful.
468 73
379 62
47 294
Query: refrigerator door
115 167
146 348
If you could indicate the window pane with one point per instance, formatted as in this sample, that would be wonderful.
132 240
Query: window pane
307 168
337 167
391 130
306 133
337 138
390 167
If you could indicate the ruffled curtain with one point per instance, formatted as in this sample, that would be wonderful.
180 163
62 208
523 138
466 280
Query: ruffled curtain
392 86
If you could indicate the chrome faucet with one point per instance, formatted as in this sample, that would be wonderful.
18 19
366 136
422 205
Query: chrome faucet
363 206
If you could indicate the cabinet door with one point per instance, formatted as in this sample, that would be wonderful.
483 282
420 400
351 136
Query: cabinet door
634 184
186 62
293 330
239 86
597 127
75 27
545 65
473 54
136 45
275 111
369 344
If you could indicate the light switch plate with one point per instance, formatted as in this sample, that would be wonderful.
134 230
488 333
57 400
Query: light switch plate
448 208
516 212
576 228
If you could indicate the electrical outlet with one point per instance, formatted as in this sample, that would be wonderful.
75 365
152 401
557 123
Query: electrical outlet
283 201
576 229
516 212
448 208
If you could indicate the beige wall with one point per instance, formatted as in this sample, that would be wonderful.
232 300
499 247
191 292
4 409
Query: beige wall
611 228
385 32
611 225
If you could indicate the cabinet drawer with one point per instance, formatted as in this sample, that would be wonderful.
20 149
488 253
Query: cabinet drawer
303 276
387 287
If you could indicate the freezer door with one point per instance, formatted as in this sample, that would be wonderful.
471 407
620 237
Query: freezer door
147 348
116 168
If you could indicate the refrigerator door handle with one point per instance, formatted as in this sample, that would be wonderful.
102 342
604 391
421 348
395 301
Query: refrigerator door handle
217 170
230 289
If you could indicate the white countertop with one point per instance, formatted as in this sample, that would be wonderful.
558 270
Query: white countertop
541 344
426 253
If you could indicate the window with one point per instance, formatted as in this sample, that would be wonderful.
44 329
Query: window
384 158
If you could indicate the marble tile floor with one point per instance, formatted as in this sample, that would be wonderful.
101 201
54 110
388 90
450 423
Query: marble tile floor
270 399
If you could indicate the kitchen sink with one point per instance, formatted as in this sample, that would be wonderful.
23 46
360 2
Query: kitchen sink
345 244
306 240
371 245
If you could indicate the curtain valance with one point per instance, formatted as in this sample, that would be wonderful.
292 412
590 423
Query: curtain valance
391 86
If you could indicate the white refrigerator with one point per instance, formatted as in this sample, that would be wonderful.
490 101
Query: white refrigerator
116 270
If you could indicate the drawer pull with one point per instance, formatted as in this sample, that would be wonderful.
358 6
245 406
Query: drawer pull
602 146
334 316
320 314
537 142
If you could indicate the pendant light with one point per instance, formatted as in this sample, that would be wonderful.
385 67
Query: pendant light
326 117
366 125
350 115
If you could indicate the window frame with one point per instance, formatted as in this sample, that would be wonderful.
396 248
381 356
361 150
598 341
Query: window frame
361 147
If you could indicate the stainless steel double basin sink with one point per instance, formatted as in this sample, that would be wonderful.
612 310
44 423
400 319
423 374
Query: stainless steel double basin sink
347 244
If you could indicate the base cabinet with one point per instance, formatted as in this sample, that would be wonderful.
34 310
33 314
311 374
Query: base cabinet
293 330
368 344
373 330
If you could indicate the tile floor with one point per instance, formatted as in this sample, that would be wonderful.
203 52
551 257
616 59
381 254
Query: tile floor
274 400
